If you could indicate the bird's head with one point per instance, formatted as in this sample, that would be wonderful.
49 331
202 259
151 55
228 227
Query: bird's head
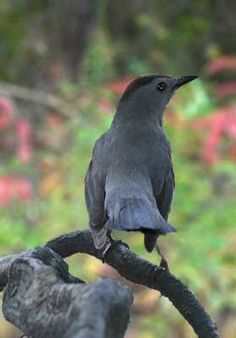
150 94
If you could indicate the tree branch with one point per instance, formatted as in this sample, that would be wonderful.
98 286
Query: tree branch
138 270
35 96
44 300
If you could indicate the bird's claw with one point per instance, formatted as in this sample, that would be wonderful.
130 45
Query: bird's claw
119 242
164 264
108 246
110 243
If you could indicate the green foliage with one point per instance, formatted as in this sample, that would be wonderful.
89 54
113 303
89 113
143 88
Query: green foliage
97 64
200 104
128 40
201 253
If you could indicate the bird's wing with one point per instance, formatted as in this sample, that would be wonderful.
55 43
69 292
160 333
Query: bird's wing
165 193
163 182
95 197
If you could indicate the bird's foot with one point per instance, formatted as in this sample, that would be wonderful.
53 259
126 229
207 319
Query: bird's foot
110 243
163 262
116 242
119 242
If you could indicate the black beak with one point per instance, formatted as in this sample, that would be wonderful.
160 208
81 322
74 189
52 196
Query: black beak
183 80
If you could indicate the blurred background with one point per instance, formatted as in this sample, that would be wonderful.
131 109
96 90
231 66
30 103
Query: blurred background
63 66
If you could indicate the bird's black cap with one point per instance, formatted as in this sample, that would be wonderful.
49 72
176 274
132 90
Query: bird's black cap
146 79
136 84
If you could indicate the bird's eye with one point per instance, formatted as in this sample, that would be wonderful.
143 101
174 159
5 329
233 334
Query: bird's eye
161 86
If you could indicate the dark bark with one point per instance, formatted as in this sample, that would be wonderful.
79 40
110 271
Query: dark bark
138 270
43 300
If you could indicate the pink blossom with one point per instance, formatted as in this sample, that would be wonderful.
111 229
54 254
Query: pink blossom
14 189
24 134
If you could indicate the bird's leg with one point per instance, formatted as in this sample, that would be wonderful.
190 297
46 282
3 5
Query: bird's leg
163 263
110 242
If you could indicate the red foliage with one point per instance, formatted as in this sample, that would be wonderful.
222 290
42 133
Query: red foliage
219 126
226 89
105 106
221 63
24 135
117 87
14 189
6 113
18 129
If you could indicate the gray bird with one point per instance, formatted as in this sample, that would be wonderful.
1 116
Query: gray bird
130 180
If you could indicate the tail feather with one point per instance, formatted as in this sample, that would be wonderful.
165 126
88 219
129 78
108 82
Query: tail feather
141 214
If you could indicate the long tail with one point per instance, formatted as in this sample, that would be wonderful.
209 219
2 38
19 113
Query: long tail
139 214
